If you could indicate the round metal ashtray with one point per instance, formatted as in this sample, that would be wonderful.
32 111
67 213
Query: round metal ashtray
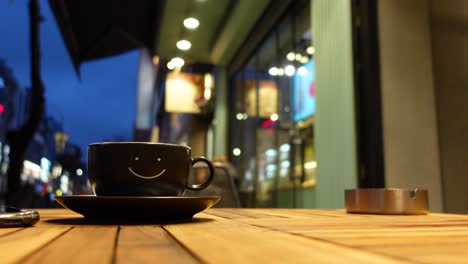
387 201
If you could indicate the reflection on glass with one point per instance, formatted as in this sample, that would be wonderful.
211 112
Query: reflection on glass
304 92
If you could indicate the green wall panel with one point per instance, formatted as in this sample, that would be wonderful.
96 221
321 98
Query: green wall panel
305 198
335 115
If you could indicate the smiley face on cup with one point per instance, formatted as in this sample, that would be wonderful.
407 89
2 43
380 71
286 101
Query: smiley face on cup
142 169
145 164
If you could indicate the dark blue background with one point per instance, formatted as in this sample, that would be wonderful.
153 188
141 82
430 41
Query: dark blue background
100 106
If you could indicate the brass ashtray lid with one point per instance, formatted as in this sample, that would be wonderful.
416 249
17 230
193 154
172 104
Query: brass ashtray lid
387 201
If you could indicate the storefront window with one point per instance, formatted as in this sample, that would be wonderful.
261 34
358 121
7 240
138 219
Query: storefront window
273 108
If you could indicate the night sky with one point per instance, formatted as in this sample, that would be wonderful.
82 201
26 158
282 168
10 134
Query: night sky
100 106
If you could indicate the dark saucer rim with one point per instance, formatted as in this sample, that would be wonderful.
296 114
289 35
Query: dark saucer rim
95 197
140 208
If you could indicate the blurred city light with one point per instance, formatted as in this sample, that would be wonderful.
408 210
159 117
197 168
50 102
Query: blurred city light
58 192
207 93
274 117
4 165
302 71
271 167
2 108
184 44
64 180
45 169
56 171
191 23
31 166
304 59
310 50
209 81
285 164
280 72
310 165
156 60
285 148
289 70
61 139
239 116
236 152
270 153
79 172
291 56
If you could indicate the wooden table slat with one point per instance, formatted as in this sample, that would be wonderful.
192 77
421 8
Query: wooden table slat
8 230
149 244
79 245
242 214
220 240
455 253
15 246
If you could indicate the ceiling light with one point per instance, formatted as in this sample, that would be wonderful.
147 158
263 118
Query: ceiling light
184 44
291 56
191 23
289 70
170 65
298 56
310 50
236 151
273 71
177 62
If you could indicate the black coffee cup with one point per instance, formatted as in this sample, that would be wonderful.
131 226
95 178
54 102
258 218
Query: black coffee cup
142 169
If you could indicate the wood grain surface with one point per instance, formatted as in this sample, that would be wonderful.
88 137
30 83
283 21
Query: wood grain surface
243 236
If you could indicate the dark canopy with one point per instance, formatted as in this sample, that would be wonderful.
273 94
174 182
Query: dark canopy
94 29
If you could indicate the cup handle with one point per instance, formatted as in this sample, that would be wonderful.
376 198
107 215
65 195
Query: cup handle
201 186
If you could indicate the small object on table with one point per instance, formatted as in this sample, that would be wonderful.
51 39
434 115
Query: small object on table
15 217
389 201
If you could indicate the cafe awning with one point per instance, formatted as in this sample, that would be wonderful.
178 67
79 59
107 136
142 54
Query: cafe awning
94 29
98 29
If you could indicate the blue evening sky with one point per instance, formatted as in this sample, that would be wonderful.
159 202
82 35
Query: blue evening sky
100 106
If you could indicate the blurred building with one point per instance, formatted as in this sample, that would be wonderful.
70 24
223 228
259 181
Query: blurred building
8 88
48 169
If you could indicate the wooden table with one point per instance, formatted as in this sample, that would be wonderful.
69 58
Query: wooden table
243 236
